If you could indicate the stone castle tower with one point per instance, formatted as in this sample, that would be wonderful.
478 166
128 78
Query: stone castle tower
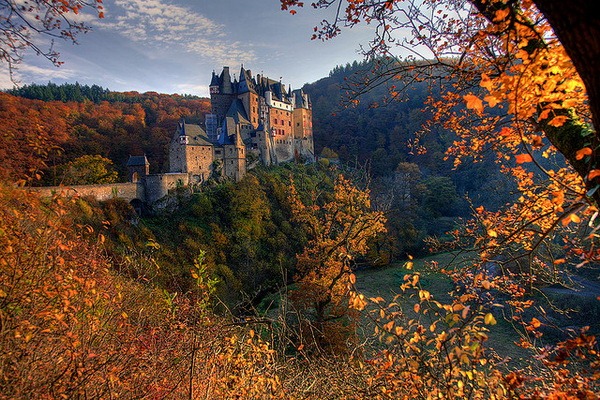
252 120
275 122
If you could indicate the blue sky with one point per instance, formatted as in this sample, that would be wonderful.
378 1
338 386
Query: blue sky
172 46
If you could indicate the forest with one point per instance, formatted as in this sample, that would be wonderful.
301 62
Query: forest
443 246
48 127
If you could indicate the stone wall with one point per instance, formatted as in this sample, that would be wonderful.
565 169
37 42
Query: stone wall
127 191
158 186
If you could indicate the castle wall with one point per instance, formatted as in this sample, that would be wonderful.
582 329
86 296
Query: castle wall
234 162
177 157
199 161
127 191
281 127
220 104
157 186
303 133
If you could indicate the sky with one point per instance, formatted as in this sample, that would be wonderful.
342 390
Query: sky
172 46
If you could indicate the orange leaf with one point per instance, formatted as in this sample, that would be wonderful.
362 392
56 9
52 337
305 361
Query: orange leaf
536 141
523 158
486 82
558 121
491 100
501 14
474 103
570 218
586 151
593 174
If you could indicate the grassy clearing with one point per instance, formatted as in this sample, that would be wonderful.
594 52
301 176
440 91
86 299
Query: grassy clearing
386 281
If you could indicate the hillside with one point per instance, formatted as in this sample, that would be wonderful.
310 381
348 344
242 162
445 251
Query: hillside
421 192
42 135
379 131
248 289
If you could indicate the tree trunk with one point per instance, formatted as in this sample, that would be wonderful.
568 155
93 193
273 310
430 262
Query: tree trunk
577 25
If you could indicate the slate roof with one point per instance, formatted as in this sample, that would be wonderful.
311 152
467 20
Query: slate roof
228 132
301 99
197 135
135 161
238 112
246 84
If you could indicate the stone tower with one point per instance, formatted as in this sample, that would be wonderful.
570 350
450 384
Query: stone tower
191 152
234 151
138 168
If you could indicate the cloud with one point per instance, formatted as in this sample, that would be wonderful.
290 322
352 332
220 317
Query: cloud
161 26
190 88
31 73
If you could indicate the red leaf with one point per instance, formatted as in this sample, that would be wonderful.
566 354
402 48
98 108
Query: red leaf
586 151
523 158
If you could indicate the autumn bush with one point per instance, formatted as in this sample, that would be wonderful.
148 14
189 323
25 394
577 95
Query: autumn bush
72 327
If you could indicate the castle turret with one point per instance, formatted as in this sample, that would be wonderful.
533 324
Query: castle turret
138 167
249 97
222 93
226 86
303 132
215 84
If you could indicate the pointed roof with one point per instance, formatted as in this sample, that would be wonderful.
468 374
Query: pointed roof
215 81
228 131
238 112
246 83
301 99
136 161
226 86
197 136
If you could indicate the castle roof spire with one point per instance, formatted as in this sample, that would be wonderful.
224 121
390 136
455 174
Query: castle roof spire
226 84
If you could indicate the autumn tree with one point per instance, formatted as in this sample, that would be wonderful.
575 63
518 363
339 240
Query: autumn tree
339 229
24 25
525 103
488 41
519 84
88 170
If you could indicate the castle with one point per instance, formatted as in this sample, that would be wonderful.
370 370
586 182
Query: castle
253 119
